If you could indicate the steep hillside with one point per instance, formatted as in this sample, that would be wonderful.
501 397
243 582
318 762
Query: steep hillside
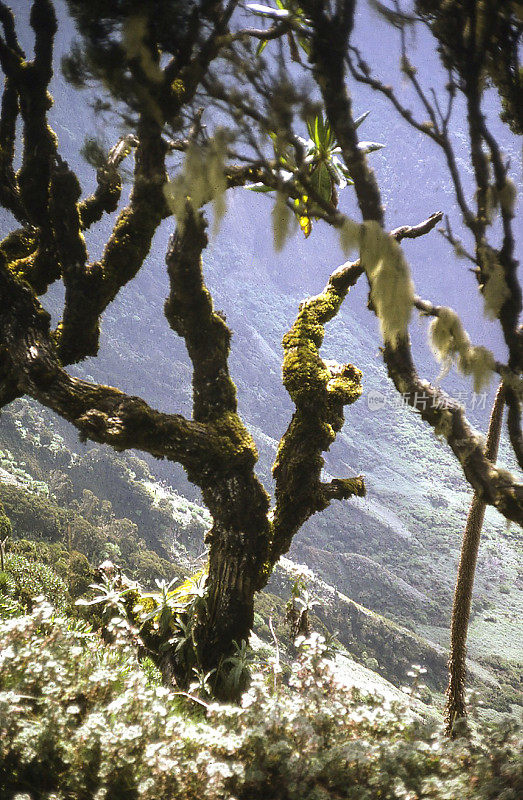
72 510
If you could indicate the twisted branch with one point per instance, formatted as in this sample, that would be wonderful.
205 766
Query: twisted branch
320 390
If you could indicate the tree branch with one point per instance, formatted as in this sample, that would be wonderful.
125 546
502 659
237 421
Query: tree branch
90 289
101 413
9 189
107 194
441 138
495 487
320 390
189 311
329 42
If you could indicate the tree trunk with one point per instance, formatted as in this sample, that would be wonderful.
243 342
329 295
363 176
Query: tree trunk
455 708
238 567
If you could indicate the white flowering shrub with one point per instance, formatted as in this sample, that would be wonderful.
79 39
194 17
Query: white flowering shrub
83 721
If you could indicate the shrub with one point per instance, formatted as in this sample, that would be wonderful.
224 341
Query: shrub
82 721
31 579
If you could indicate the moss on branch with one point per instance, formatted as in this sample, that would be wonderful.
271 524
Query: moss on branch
320 389
104 199
89 290
189 311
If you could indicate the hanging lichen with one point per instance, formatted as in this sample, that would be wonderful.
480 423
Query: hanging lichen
134 34
392 290
349 236
451 343
201 180
495 290
281 219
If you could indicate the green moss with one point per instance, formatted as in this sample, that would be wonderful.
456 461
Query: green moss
345 388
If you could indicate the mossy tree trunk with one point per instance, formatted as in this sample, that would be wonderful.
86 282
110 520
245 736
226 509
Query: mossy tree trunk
246 540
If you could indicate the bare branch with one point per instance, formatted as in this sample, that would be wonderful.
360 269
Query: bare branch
441 138
414 231
447 234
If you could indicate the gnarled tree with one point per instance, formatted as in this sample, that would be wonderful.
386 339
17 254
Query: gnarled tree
162 63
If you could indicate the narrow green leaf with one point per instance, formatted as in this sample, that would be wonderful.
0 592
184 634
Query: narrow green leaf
305 45
321 131
322 182
317 136
261 47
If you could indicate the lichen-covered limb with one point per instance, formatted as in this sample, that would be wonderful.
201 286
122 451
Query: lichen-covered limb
91 288
189 311
39 142
104 199
11 62
9 189
102 413
31 187
63 210
494 486
320 390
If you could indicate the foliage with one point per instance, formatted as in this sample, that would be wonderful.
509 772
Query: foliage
322 173
84 721
89 527
158 66
26 579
